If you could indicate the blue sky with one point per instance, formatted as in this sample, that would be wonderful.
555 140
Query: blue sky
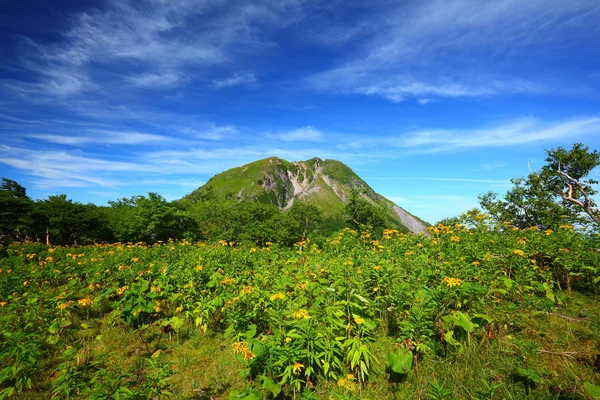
432 102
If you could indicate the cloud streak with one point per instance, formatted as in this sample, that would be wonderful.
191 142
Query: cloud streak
400 58
520 132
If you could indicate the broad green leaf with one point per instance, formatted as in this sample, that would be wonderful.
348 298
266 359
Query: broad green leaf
400 361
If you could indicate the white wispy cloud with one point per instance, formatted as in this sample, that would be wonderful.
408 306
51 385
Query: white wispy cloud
207 131
307 133
473 40
237 79
161 44
520 132
101 137
62 169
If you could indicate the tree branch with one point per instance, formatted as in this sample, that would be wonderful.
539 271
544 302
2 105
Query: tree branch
586 204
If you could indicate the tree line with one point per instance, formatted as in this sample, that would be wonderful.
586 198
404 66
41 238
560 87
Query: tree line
559 193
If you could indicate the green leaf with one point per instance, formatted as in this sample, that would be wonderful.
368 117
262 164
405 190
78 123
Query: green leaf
270 385
549 294
251 331
593 390
400 361
464 321
54 328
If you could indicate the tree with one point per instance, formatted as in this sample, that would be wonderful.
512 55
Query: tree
305 218
359 212
557 194
68 222
15 205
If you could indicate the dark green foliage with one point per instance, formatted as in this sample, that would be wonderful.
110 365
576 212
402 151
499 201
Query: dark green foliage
360 212
149 219
557 194
14 208
68 222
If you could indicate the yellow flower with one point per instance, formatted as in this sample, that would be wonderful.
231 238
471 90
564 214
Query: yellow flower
548 232
561 250
277 296
377 267
84 302
156 354
3 303
64 305
522 241
25 283
409 253
135 259
519 252
247 290
475 263
300 314
297 367
455 238
248 355
199 268
51 250
227 281
179 309
157 308
452 281
567 226
359 320
288 339
239 347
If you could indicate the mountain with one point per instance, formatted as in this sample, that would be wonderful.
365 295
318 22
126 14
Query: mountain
326 184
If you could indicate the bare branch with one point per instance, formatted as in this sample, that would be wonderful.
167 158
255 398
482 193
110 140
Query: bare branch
586 204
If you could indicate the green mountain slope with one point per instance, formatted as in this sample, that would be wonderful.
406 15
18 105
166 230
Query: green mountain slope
326 184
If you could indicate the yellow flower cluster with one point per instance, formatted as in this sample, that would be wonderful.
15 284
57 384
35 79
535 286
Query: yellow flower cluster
64 305
227 281
522 241
242 347
439 228
277 296
519 252
567 226
122 290
452 281
247 290
348 383
455 239
300 314
84 302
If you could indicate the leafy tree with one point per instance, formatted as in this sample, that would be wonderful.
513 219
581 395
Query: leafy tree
558 193
304 219
359 212
149 219
68 222
14 207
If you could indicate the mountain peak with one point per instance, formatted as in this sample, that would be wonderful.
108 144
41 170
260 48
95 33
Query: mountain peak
326 184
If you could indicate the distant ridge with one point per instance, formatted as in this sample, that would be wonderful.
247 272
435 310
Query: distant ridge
326 184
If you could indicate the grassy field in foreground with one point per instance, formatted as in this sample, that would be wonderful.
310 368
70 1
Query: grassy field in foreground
475 313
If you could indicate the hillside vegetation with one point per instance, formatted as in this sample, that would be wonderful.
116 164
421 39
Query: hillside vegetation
324 184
